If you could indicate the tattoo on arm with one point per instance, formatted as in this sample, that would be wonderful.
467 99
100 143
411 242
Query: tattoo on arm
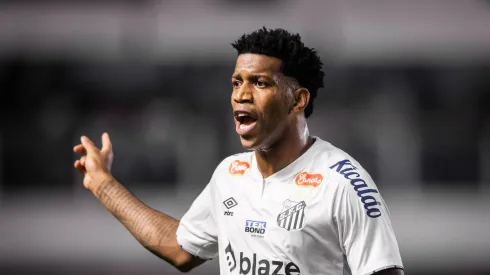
154 230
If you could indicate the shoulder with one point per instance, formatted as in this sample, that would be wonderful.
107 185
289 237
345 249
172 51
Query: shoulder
352 181
339 165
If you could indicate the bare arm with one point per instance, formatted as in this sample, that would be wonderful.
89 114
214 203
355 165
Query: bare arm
156 231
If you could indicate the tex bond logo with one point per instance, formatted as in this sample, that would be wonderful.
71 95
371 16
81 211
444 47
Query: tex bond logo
308 180
254 266
238 167
255 228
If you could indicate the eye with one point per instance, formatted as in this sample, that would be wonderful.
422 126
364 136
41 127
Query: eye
236 83
261 84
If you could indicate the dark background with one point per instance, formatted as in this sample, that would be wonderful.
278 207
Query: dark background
407 95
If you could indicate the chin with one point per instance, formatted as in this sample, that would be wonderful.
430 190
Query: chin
250 144
255 144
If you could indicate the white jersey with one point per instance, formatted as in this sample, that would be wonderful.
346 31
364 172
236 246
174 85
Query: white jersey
322 214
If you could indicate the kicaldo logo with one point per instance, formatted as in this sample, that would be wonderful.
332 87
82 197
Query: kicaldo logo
307 179
238 167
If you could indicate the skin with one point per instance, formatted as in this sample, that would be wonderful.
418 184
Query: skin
280 136
156 231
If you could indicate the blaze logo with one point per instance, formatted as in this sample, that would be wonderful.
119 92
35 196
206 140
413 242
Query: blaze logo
238 167
252 265
230 257
307 179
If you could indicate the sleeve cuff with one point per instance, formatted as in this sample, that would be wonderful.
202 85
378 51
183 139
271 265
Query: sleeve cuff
199 252
383 268
369 270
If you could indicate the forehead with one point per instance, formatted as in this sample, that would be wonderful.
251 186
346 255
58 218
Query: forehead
257 64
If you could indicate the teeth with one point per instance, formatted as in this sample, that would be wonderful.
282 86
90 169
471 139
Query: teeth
242 115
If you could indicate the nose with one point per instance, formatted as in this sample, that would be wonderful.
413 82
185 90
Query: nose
243 94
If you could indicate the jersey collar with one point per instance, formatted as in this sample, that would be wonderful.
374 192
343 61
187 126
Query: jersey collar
292 169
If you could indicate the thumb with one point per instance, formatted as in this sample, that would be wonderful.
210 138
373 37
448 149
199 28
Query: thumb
106 143
89 145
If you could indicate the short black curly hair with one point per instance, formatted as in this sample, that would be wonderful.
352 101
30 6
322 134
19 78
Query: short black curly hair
298 61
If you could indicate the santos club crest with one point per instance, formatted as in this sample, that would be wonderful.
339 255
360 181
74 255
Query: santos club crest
292 216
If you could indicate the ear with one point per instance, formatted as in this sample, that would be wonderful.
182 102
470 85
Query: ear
301 97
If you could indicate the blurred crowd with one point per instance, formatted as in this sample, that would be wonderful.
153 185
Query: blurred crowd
408 125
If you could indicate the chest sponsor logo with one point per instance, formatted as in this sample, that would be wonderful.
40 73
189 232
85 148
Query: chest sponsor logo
307 179
229 203
238 167
348 171
230 257
252 265
255 228
292 216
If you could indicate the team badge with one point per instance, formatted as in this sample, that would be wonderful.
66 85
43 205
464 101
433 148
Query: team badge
292 216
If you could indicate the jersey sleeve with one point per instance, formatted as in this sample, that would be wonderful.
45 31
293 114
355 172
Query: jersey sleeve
197 233
365 231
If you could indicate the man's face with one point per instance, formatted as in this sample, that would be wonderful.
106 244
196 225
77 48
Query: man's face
261 100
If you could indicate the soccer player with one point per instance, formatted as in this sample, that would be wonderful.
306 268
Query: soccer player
292 204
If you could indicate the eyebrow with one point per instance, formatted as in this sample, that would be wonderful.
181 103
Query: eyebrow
236 75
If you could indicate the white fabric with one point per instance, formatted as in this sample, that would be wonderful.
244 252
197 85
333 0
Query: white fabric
338 223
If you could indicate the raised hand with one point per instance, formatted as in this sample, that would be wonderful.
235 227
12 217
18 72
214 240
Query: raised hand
95 164
155 230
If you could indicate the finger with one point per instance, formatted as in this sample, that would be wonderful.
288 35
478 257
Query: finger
79 166
79 149
106 143
89 145
83 160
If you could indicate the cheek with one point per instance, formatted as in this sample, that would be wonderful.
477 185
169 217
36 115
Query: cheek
275 108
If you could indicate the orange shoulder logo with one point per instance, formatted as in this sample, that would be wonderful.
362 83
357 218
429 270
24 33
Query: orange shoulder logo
307 179
238 167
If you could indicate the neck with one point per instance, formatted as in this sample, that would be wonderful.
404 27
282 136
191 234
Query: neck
287 149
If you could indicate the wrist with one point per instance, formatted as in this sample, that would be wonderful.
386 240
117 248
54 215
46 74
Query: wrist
99 180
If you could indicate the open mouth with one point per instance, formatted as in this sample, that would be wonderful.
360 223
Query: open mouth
245 119
245 122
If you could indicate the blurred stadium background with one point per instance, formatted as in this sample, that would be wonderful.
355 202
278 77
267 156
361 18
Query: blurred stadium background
407 94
